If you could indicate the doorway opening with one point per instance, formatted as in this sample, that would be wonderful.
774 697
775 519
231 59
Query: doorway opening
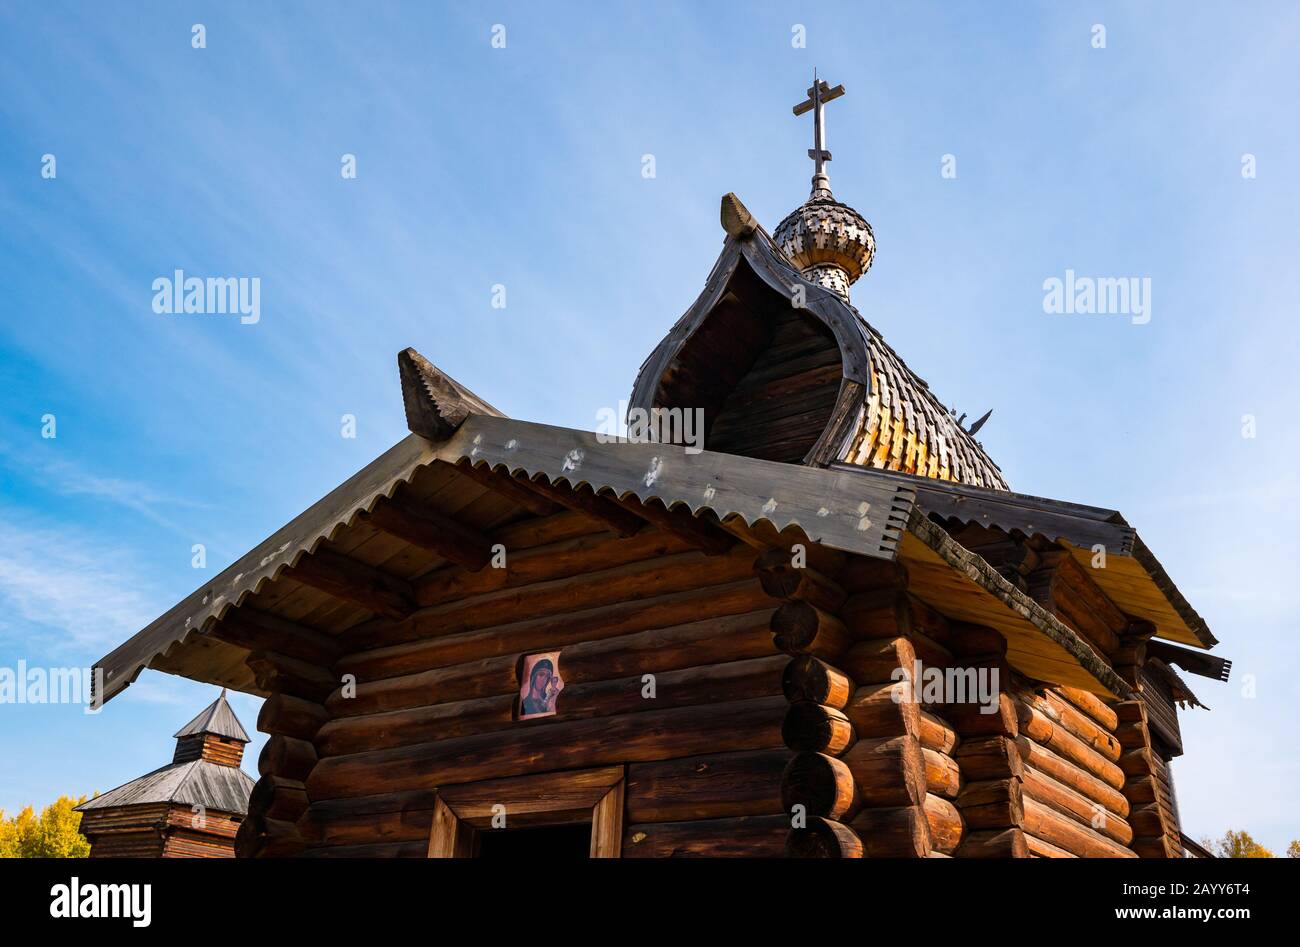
541 844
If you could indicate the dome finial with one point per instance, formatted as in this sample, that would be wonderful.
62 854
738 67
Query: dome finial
818 95
830 243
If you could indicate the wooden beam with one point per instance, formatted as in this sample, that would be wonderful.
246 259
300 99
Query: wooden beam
255 630
701 533
508 487
584 500
431 531
355 582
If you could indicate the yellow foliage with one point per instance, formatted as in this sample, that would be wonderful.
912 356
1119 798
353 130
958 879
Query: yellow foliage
1237 845
53 835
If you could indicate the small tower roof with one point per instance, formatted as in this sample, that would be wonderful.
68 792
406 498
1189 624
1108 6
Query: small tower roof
218 719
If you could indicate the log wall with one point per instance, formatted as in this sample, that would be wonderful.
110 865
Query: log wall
356 773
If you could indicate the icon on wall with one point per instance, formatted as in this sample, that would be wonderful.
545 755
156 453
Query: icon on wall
540 685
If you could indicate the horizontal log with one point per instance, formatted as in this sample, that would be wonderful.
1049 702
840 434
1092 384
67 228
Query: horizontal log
1035 725
884 710
898 832
816 728
942 775
1001 843
288 757
622 585
710 641
800 628
1038 848
821 784
888 771
810 678
935 734
1092 705
567 556
1076 723
984 758
714 683
583 499
715 786
879 660
761 836
549 633
945 821
890 615
980 720
992 804
277 797
560 744
1038 785
418 848
863 575
1046 823
1067 773
823 838
783 580
291 716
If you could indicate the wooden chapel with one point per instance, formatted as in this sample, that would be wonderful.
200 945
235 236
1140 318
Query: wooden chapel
500 634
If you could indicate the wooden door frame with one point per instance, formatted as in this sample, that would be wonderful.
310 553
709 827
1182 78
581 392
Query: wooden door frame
571 797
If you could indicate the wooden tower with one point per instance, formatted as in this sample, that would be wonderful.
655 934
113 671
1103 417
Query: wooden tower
190 808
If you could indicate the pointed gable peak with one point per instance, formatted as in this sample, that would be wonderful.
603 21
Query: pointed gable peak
218 719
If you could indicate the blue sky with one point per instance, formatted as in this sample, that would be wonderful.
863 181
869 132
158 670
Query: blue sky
522 167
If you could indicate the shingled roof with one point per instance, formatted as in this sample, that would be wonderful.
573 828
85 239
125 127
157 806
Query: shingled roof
218 719
196 783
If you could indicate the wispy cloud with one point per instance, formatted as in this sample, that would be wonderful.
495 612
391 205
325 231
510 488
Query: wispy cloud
64 592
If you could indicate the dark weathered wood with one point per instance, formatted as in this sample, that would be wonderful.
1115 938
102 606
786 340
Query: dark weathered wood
823 838
436 404
441 535
291 716
280 673
822 785
584 500
817 728
261 631
505 485
745 837
783 580
706 787
560 744
354 582
287 757
799 628
810 678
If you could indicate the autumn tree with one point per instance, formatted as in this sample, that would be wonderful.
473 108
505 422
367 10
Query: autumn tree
1236 844
53 835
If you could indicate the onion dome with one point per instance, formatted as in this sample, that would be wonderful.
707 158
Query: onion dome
831 243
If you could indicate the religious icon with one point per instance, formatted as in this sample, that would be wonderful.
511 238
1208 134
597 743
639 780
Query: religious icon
539 685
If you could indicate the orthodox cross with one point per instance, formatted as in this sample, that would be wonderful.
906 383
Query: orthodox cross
818 96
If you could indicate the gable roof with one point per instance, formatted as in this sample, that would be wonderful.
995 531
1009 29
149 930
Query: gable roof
218 719
196 783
